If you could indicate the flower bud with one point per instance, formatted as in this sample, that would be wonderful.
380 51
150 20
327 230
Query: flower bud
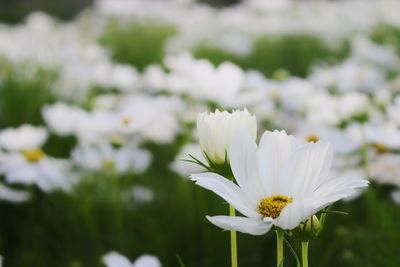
308 229
312 225
216 129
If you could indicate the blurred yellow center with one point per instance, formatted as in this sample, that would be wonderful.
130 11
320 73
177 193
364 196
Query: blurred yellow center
126 121
272 206
109 165
312 138
381 148
33 155
274 94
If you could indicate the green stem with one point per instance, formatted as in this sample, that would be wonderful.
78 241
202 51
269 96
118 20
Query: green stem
279 248
234 260
298 263
304 253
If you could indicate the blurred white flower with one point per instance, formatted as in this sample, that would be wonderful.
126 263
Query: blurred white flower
384 134
12 195
142 194
105 102
26 163
96 125
114 259
295 94
394 111
120 157
216 130
34 167
351 75
184 168
352 104
199 79
396 196
153 118
365 50
321 110
341 142
63 119
25 137
385 169
331 110
282 182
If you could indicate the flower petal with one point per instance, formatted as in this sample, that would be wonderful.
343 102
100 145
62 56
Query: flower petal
12 195
337 189
295 213
114 259
307 169
241 224
147 261
242 155
272 155
228 191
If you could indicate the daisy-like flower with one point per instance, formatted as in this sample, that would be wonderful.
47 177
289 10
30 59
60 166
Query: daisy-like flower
281 183
104 156
216 129
24 161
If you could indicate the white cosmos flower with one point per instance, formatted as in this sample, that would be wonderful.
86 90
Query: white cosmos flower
281 182
62 118
180 164
103 156
11 195
341 142
26 163
216 129
35 167
142 194
384 168
23 138
114 259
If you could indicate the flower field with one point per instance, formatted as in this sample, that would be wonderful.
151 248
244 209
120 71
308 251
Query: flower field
149 133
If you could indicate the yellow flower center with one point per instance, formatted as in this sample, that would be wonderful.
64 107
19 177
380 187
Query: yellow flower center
109 165
312 138
116 141
381 148
274 94
273 206
126 121
33 155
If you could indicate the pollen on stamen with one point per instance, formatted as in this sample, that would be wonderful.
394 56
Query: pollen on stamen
126 121
273 206
312 138
33 155
381 148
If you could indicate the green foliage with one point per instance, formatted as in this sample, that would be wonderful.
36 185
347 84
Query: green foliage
294 53
23 94
15 11
386 34
136 44
100 215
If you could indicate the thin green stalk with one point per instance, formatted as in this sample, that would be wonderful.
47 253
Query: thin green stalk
298 264
279 248
234 261
304 253
232 213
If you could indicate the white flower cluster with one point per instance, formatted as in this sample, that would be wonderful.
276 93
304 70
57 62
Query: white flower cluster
112 109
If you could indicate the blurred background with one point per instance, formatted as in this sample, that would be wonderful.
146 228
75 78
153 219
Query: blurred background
98 106
15 11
